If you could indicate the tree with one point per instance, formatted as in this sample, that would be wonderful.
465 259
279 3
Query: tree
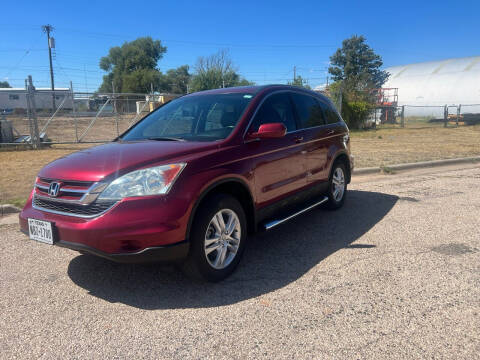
133 66
355 70
299 81
357 66
4 84
216 71
176 80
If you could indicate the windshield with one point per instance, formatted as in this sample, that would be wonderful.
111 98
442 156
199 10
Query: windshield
193 118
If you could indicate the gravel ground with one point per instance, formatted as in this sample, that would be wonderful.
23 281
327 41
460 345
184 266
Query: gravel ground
394 274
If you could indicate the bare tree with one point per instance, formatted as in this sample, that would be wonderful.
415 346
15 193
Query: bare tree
216 71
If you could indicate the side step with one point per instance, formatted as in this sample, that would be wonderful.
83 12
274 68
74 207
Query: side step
272 223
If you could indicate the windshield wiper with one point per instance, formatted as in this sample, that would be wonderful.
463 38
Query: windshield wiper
165 138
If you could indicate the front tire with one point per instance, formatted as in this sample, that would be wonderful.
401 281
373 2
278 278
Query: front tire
217 239
337 186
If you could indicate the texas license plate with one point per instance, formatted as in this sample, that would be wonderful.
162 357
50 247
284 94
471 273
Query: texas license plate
40 231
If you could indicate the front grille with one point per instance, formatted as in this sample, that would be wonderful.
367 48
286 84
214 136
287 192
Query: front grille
90 210
73 183
69 190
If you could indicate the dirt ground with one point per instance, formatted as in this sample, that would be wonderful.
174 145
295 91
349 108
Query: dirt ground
381 147
394 274
67 129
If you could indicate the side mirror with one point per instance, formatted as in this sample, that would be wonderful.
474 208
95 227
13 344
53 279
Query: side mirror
269 131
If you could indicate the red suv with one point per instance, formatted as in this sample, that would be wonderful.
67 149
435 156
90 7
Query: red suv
192 179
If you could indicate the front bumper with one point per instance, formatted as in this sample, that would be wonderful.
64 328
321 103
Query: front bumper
134 230
171 253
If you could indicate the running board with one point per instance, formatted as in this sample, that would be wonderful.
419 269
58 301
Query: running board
271 224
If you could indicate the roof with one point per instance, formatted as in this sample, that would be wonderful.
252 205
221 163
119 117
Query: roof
454 65
37 89
253 89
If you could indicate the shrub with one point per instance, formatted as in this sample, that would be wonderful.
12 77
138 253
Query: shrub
355 113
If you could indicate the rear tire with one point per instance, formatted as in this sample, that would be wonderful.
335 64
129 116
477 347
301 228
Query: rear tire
337 186
217 239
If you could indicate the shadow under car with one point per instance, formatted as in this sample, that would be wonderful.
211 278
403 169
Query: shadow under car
271 261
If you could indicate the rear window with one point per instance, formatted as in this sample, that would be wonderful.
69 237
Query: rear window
330 114
309 110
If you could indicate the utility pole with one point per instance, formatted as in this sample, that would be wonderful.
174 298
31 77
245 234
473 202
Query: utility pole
294 74
51 44
32 114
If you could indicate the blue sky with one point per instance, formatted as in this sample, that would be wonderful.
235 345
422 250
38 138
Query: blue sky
265 38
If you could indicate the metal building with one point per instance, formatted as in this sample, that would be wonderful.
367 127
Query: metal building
431 85
12 99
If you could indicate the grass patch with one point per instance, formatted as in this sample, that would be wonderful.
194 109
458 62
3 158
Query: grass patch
386 170
18 202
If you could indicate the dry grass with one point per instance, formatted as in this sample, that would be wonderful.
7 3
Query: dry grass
381 147
19 169
388 146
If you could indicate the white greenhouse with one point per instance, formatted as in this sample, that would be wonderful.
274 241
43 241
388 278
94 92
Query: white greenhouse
428 87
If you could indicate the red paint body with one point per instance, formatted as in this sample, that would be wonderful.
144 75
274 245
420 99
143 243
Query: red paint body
270 169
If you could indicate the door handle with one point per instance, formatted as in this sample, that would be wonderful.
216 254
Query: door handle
298 139
331 132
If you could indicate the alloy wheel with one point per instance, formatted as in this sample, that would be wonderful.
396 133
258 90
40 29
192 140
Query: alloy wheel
222 239
338 184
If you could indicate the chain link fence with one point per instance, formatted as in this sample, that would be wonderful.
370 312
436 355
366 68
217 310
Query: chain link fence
32 117
421 116
36 117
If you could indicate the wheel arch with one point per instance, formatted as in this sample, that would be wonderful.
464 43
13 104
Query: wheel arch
231 186
343 156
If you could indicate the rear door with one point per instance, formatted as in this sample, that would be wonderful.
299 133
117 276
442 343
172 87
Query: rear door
279 164
315 135
336 130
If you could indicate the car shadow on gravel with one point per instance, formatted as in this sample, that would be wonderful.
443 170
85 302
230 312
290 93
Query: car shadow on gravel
272 260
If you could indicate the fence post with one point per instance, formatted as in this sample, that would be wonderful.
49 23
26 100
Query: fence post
32 115
29 116
115 108
459 110
445 116
403 116
74 112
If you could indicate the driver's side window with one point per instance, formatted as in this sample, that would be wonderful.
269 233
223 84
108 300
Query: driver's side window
277 108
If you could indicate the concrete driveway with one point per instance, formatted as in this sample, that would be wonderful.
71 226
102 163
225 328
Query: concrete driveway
394 274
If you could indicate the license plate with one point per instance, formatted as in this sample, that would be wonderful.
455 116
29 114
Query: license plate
40 231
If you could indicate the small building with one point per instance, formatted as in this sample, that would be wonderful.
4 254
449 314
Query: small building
15 99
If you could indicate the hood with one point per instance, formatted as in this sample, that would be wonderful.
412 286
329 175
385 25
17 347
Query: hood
117 158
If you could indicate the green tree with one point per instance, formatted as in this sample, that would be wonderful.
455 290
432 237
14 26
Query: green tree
356 71
216 71
4 84
132 67
299 81
357 66
176 80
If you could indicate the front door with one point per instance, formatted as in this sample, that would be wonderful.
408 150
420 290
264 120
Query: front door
279 164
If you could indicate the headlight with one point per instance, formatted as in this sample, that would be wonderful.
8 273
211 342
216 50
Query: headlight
151 181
